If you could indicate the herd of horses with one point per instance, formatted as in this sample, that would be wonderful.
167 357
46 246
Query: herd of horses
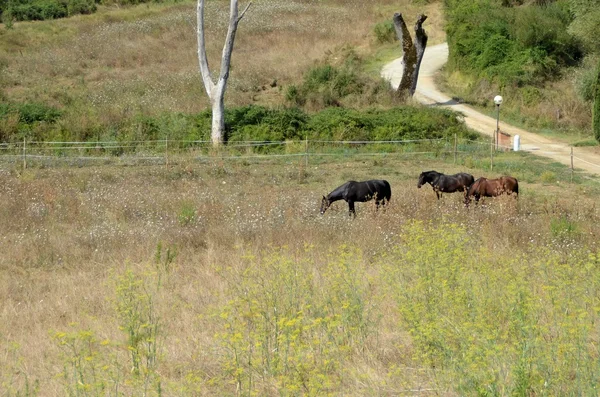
380 190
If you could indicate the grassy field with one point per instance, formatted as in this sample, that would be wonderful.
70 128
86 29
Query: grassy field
221 278
106 68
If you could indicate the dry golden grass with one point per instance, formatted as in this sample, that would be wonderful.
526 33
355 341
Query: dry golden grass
119 62
69 233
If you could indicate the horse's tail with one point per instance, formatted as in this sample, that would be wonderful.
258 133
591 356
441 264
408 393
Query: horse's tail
510 185
388 190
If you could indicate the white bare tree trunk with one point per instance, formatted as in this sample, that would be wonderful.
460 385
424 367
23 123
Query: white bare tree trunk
216 91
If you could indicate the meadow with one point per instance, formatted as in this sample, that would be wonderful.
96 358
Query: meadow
221 278
110 71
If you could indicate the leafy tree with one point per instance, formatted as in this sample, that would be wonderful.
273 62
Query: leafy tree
586 26
510 44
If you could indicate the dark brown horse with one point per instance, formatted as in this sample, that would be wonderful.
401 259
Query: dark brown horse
442 183
484 187
353 191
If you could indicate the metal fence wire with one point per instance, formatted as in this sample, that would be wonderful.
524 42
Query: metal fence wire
157 152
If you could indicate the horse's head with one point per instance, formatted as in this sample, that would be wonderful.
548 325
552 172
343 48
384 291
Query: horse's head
422 179
473 190
427 177
325 203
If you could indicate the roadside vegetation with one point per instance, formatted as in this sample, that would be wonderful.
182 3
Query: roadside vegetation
540 56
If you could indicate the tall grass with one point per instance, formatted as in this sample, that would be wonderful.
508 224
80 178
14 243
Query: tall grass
222 278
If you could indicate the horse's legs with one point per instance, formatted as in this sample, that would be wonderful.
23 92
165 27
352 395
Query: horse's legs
351 210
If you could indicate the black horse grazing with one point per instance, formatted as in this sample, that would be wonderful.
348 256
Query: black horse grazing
484 187
442 183
353 191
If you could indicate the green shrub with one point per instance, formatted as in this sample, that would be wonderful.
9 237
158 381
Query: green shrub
293 96
81 7
385 32
39 10
548 177
247 123
343 84
510 45
30 112
562 227
585 81
187 214
544 28
260 123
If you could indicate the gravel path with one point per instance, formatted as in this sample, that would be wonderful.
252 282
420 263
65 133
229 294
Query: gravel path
586 159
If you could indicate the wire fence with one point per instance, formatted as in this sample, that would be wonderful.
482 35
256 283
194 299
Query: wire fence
164 152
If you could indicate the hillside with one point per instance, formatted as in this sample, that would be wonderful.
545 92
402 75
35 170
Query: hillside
106 70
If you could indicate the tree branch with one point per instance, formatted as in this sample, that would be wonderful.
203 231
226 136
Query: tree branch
228 47
209 85
244 12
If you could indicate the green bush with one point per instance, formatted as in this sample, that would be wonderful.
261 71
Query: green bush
260 123
510 45
81 7
247 123
39 10
342 84
385 32
30 112
585 81
340 124
263 124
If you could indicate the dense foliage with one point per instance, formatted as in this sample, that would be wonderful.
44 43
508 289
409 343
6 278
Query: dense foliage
510 45
586 26
39 10
344 124
39 122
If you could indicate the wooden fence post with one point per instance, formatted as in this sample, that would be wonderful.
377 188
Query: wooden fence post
492 155
572 169
455 146
167 151
306 153
24 156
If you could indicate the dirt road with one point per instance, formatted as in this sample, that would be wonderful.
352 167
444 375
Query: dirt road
427 93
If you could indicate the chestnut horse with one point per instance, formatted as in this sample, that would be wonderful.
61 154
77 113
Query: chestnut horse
484 187
353 191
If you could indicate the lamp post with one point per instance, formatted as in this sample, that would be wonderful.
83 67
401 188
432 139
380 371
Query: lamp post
498 102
